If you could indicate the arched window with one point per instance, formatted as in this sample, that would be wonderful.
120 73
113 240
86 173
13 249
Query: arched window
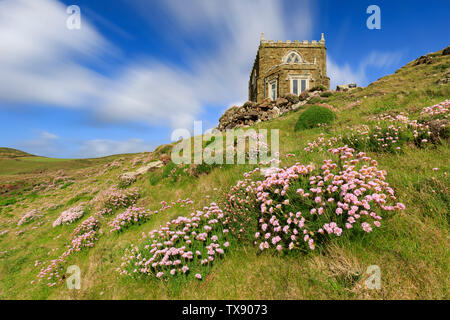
292 57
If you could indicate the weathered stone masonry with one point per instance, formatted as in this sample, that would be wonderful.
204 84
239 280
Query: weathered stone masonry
287 67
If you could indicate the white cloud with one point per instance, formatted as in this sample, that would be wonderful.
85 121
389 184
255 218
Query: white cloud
105 147
39 56
44 144
41 60
174 97
343 74
48 144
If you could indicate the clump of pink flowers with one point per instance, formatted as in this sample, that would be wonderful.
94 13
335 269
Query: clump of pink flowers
70 215
186 245
84 236
29 216
437 109
300 207
115 198
389 134
132 215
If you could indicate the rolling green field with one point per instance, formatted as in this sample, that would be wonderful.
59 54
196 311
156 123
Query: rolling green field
411 247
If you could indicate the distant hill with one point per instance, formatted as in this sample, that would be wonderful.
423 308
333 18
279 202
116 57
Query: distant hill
13 153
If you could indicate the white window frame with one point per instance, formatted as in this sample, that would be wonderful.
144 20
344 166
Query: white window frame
269 89
299 77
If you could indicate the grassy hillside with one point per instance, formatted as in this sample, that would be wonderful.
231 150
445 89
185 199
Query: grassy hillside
411 246
13 153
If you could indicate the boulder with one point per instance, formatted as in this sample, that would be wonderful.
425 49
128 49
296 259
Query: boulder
265 103
446 51
280 102
249 104
165 159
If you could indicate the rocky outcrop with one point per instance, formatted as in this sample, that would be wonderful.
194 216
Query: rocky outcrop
346 87
446 51
130 177
424 60
251 112
445 79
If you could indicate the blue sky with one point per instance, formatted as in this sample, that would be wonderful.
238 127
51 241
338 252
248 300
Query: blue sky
137 70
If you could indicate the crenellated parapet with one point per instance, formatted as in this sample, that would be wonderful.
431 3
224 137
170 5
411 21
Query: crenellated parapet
290 43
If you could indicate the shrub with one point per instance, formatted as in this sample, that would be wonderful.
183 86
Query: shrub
169 169
314 116
303 96
292 98
318 88
314 100
326 94
205 168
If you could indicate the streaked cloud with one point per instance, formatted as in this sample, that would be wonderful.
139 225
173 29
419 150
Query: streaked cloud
43 144
345 73
104 147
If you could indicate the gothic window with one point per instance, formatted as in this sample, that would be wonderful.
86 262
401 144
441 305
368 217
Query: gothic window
293 57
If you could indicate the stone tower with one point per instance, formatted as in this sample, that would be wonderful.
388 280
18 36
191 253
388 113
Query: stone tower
287 67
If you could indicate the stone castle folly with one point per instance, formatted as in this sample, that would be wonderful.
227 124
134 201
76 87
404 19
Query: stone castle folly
289 67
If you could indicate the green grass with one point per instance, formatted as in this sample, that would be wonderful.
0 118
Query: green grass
314 116
411 248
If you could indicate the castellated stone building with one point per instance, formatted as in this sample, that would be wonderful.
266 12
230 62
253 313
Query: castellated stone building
287 67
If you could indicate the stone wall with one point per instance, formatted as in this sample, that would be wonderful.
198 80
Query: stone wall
268 65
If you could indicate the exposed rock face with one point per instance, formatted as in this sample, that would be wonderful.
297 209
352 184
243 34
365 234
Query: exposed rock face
346 87
251 112
445 79
424 60
130 177
446 51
